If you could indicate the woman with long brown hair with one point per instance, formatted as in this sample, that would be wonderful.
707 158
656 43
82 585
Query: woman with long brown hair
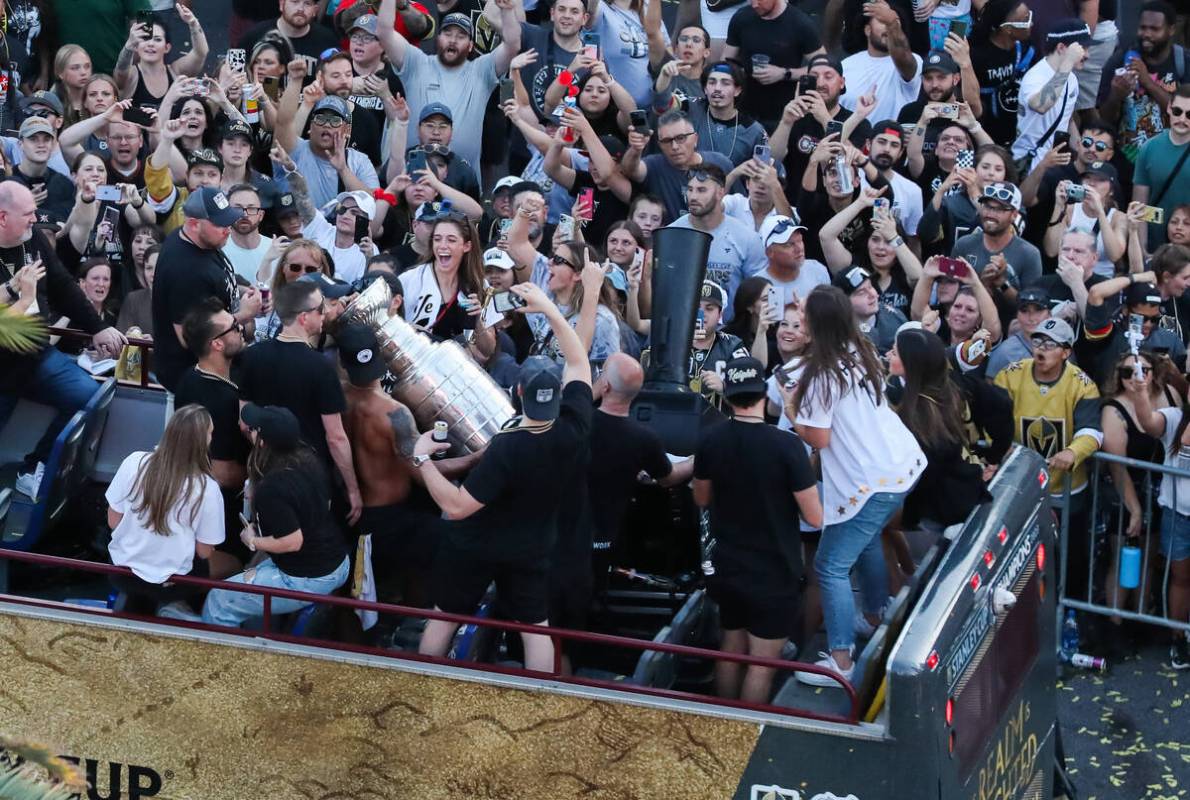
166 512
299 257
571 287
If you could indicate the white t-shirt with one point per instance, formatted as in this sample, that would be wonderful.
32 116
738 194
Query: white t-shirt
813 273
1029 124
150 555
423 298
1180 460
870 450
349 261
907 204
861 70
246 262
736 206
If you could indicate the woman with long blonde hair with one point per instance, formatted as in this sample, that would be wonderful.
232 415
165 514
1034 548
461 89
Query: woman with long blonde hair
72 70
299 257
166 512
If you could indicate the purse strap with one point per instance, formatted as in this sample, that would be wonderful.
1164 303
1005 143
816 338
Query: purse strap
1156 201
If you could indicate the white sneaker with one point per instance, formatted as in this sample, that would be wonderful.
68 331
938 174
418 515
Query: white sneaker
179 609
863 628
827 662
29 483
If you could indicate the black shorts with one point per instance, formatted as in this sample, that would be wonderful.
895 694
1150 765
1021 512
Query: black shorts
403 536
461 577
570 598
767 612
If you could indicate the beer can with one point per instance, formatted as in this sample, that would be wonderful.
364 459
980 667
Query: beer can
1084 661
441 429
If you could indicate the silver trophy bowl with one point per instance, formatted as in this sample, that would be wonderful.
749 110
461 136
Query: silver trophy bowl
437 381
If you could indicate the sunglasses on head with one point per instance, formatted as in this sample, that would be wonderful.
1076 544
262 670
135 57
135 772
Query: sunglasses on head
1100 146
1000 193
704 175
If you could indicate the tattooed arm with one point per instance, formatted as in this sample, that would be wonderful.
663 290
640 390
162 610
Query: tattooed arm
405 437
1051 93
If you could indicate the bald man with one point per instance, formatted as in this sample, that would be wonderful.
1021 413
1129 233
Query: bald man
621 449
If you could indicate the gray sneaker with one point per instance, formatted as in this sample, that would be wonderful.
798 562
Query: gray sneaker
1179 653
29 483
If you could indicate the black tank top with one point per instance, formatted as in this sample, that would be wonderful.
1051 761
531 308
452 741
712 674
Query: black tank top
143 97
1141 446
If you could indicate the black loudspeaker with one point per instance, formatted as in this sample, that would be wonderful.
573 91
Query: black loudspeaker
666 403
679 265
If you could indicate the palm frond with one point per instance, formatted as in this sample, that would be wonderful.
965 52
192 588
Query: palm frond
20 333
31 772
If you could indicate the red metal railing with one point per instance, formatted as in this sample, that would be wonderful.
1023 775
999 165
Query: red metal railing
386 608
145 345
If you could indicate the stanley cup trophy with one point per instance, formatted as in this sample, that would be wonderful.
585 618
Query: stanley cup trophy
438 381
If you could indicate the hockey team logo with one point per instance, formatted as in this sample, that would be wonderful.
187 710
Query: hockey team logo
1043 434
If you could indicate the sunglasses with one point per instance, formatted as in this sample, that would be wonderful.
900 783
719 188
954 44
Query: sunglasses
1125 373
306 268
1177 111
320 309
235 326
329 120
1099 146
1024 24
432 149
1153 318
559 261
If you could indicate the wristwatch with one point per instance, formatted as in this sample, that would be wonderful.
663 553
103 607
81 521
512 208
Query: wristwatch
419 460
897 242
788 74
13 294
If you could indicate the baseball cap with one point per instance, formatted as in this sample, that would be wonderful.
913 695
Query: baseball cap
461 21
779 229
1068 31
823 60
614 145
1104 169
1056 329
368 23
744 375
212 205
234 128
540 384
359 353
34 125
496 258
285 205
505 184
43 98
1033 296
1142 293
940 60
1002 192
426 212
276 425
334 104
851 279
363 201
441 109
712 293
616 277
332 289
204 155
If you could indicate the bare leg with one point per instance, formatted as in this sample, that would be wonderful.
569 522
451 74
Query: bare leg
728 673
223 565
539 651
1179 591
758 681
436 638
812 607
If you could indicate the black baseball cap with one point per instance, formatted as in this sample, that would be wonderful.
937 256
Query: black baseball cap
359 353
236 127
744 375
712 293
540 384
823 60
940 60
1143 293
204 155
212 205
1068 31
1033 296
276 425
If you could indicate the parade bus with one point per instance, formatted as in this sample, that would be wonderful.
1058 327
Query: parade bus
953 695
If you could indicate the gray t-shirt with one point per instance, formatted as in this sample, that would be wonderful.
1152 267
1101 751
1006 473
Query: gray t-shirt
736 253
464 90
322 177
625 49
669 183
1009 351
736 139
551 61
1024 260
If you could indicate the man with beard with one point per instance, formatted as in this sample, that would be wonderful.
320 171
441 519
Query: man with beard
449 74
327 163
296 25
192 268
804 120
335 75
885 153
665 174
1000 56
1160 178
246 248
721 126
435 130
1049 91
1135 100
887 66
940 77
1006 262
736 252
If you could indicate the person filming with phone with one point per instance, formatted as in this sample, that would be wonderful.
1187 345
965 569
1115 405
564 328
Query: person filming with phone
347 240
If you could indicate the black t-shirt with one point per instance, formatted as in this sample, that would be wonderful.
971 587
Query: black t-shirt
786 40
754 470
295 376
59 199
308 47
804 136
522 480
300 498
931 178
551 61
609 209
999 73
222 399
186 276
620 449
911 113
816 212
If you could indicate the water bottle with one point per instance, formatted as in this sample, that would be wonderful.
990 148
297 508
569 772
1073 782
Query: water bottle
1069 637
1129 567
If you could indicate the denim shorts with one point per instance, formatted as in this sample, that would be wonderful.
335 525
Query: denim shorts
1175 535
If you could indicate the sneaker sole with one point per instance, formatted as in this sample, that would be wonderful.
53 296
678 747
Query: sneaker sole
814 679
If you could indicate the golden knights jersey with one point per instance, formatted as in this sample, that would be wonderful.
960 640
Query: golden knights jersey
1052 417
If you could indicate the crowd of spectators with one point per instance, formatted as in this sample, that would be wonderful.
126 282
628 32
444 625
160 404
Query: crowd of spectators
935 229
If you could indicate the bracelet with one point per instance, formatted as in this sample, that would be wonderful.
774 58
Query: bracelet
12 293
1054 222
137 206
897 242
88 202
388 197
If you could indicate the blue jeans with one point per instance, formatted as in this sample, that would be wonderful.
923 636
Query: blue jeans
58 382
854 543
228 607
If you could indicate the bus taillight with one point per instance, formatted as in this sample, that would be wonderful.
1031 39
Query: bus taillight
1041 557
932 661
975 581
989 558
949 711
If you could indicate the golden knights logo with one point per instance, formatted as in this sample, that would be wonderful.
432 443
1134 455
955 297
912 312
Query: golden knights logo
1046 436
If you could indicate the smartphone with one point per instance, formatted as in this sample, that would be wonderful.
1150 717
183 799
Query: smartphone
880 204
108 193
947 110
1062 138
638 259
507 301
807 83
1154 214
144 18
834 126
590 41
772 304
952 267
700 325
586 199
416 161
639 120
959 28
272 87
566 226
137 116
362 228
507 90
783 377
763 153
505 224
965 159
237 59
